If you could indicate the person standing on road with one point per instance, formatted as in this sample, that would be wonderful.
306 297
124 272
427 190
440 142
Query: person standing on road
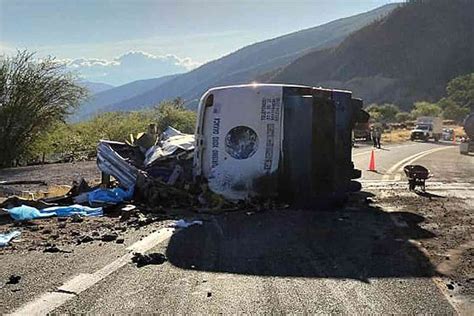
376 135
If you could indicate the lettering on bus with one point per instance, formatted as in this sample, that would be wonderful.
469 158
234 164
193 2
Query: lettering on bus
270 109
269 147
216 126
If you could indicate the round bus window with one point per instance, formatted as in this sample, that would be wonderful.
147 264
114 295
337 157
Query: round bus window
241 142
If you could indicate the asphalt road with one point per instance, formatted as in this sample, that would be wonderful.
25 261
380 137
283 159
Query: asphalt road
352 261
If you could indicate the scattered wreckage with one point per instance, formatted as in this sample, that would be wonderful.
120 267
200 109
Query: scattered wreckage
253 145
281 142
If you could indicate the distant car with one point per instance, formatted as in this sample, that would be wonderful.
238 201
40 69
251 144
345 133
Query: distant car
447 134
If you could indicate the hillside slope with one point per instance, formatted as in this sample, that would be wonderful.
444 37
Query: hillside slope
246 64
95 87
97 102
408 56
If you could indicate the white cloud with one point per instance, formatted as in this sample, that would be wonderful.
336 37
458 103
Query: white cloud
6 49
131 66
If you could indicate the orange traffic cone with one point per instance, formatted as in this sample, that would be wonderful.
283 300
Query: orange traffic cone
372 162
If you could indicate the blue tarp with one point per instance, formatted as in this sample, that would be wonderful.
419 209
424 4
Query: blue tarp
25 213
5 238
110 196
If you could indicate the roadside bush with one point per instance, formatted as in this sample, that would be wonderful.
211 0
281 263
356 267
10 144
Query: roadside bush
452 111
33 96
403 117
82 138
173 113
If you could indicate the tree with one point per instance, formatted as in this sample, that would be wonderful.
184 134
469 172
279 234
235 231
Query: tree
452 111
33 96
461 91
403 117
424 108
383 113
173 113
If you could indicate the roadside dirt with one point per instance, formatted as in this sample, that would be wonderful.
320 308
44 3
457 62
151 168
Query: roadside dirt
55 175
450 220
62 234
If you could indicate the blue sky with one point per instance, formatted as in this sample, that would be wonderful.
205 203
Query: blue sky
181 33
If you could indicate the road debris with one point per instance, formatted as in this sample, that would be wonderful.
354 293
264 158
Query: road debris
109 196
77 218
184 224
85 239
55 249
109 237
13 279
14 201
19 182
6 238
26 213
142 260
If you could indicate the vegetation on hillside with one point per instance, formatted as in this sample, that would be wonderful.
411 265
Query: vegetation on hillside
455 105
79 140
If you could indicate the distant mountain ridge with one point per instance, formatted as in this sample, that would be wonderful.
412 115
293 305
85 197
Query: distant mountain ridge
102 100
247 63
406 57
95 87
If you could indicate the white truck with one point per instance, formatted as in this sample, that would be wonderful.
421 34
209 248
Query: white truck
427 128
467 144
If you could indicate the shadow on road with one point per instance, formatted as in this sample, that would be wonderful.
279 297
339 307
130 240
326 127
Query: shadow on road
357 243
428 195
376 171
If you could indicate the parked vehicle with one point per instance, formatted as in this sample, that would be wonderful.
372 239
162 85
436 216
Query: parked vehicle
362 131
448 134
467 144
286 141
427 128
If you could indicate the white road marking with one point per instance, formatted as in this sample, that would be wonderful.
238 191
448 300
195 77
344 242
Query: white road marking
388 147
362 153
52 300
426 154
433 186
410 160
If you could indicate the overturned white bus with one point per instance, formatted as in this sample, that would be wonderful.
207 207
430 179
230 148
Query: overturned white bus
286 141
